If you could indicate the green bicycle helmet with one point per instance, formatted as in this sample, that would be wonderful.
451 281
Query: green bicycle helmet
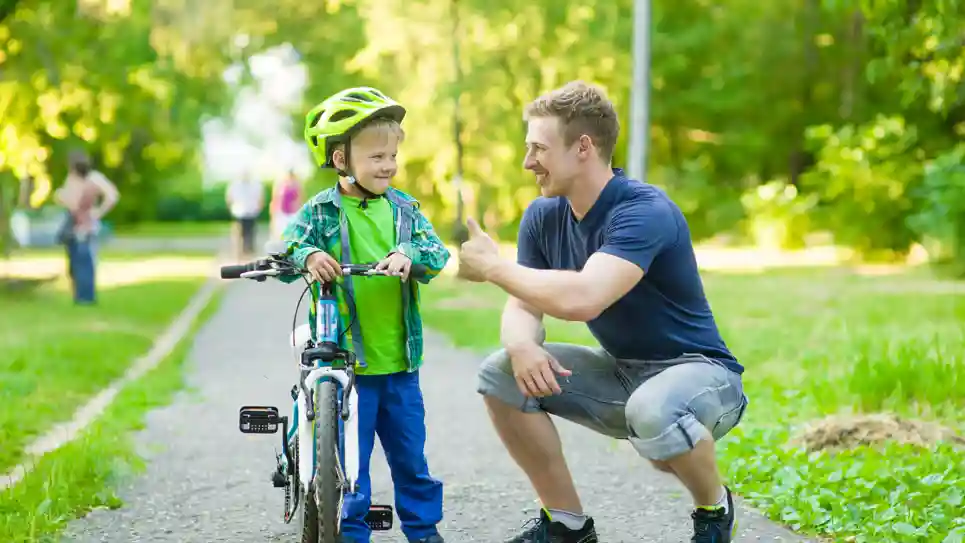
335 120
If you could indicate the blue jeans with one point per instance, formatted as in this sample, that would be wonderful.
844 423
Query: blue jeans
392 407
80 263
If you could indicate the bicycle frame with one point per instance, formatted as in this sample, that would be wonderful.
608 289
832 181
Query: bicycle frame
327 332
320 358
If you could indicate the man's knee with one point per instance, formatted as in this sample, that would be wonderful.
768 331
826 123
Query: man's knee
662 429
670 413
496 383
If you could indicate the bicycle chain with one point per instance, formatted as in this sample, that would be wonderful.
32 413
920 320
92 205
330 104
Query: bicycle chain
293 481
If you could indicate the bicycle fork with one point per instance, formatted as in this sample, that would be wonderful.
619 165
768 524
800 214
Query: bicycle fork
306 428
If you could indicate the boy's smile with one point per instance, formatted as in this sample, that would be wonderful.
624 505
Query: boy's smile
373 157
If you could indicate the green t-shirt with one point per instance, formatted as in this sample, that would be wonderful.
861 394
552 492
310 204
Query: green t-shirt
378 300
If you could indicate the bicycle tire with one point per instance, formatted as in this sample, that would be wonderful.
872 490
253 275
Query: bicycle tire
327 487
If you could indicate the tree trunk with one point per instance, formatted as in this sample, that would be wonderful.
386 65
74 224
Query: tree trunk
797 161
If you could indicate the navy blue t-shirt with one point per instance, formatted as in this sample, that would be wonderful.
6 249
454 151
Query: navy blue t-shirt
666 314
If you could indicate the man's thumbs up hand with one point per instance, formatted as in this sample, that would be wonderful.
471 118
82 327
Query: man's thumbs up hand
478 255
474 229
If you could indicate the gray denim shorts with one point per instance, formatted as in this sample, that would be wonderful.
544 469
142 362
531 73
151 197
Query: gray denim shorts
662 407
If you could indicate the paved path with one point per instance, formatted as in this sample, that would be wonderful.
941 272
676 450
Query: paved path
206 482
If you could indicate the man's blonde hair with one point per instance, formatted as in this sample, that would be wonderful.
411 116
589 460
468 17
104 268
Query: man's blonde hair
582 109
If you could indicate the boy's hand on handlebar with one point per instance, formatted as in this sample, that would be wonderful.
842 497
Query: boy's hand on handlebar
323 267
396 264
535 371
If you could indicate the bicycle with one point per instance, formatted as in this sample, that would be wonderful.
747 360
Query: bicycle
319 462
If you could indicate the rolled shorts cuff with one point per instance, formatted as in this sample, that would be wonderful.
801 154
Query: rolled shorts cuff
678 438
502 386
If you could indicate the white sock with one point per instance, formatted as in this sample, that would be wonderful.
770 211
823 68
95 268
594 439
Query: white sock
721 502
570 520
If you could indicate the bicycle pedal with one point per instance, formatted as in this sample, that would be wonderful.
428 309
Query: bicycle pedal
380 517
254 419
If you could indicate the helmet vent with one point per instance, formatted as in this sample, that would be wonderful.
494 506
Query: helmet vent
342 115
316 118
357 97
314 123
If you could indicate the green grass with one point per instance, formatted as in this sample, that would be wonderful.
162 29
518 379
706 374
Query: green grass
83 474
56 355
815 342
174 229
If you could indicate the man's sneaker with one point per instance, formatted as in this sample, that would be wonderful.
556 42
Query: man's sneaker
543 530
714 525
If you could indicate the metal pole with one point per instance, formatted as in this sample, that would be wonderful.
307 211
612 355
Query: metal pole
638 144
460 234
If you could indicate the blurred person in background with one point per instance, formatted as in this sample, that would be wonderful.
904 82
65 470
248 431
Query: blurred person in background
286 200
87 195
245 201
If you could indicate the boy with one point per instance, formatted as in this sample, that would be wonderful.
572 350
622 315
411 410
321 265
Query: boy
362 219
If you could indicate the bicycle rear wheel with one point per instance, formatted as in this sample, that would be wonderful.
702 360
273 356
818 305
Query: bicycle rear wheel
328 481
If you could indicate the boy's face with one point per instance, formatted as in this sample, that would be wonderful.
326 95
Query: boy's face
373 157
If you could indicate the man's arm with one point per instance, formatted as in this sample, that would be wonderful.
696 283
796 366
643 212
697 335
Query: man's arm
521 326
569 295
108 191
637 233
425 247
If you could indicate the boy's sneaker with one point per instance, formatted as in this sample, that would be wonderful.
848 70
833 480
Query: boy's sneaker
715 525
546 531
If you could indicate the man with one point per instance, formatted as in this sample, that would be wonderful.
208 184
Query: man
87 195
614 253
245 200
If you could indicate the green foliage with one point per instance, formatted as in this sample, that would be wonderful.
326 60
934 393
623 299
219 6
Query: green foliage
864 175
941 217
201 205
895 492
886 371
778 215
734 90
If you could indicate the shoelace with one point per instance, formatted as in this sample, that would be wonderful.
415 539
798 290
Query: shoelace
537 533
705 531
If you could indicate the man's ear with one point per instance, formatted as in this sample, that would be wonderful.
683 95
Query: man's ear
584 146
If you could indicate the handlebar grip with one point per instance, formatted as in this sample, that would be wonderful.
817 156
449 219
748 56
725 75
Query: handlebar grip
418 271
234 271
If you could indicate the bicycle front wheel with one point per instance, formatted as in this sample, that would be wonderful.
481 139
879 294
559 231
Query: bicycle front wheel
328 470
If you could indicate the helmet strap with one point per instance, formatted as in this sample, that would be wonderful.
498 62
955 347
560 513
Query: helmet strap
366 193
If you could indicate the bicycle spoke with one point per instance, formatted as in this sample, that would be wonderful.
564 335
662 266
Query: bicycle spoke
340 477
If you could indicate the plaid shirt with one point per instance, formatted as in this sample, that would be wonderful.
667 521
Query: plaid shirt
317 227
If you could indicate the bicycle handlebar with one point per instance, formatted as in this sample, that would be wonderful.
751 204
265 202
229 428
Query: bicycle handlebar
271 267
